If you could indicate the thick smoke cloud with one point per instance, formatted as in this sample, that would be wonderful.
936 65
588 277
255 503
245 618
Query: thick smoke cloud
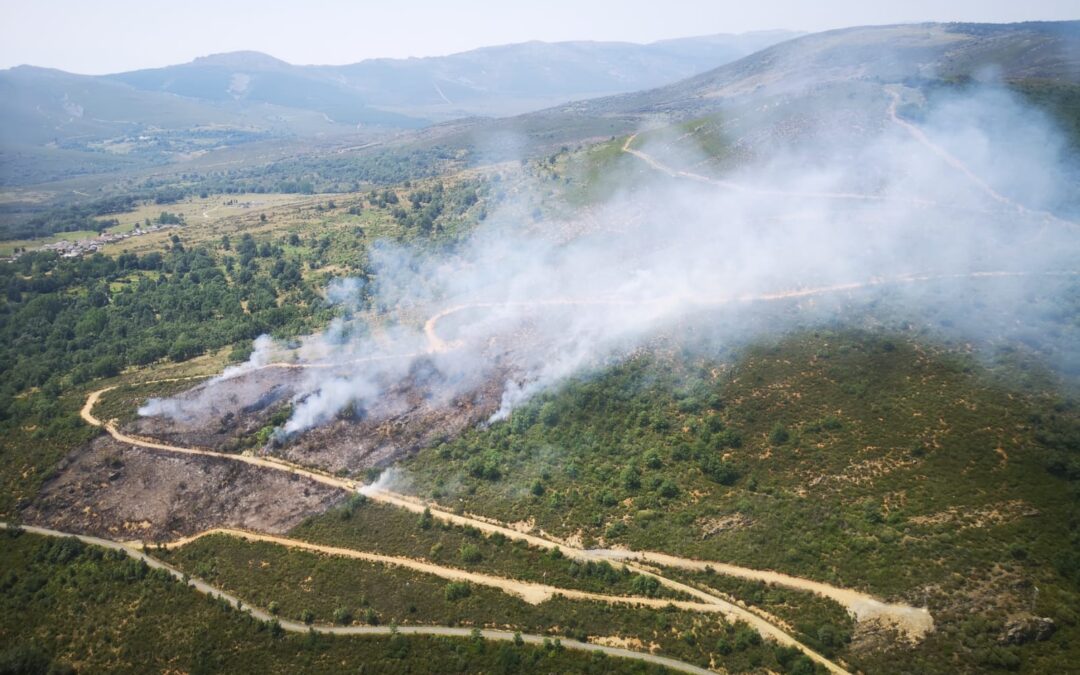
967 190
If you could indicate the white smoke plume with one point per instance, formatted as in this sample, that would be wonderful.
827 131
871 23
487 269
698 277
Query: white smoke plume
980 184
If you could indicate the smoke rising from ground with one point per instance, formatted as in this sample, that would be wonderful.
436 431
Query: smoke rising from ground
864 205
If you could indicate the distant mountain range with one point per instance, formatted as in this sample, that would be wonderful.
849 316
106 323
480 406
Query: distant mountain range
817 72
1035 51
55 124
256 92
492 81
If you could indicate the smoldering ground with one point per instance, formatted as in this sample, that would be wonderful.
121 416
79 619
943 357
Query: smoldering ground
981 189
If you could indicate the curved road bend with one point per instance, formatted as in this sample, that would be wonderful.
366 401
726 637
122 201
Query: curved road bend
531 592
297 627
731 610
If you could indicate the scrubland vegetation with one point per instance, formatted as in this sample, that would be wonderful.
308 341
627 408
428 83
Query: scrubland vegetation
874 451
314 587
903 484
67 607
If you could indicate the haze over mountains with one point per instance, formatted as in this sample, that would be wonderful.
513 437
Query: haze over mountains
263 93
55 124
490 81
869 54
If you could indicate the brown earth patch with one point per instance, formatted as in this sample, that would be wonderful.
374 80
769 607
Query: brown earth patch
121 492
411 418
217 413
714 526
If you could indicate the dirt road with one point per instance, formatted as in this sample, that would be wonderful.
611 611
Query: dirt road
750 190
730 610
297 627
87 414
955 162
914 621
438 344
532 593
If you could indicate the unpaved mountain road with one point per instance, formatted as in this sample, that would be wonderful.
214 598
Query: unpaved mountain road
917 621
913 130
438 344
730 610
87 414
956 163
533 593
297 627
913 621
754 190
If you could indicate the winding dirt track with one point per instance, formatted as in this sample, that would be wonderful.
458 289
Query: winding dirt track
438 344
530 592
751 190
914 131
731 611
916 622
297 627
325 478
953 161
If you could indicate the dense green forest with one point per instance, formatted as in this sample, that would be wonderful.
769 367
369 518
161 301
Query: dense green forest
66 321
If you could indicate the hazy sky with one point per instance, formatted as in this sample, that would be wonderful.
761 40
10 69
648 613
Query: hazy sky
100 36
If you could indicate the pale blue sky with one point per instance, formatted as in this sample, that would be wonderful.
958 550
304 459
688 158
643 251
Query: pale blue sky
99 36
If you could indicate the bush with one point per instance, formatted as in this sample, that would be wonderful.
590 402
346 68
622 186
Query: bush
549 414
343 616
645 585
779 434
746 637
486 467
728 438
616 530
718 470
457 590
469 553
669 490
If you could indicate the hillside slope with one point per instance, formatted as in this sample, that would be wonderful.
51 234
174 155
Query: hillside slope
876 54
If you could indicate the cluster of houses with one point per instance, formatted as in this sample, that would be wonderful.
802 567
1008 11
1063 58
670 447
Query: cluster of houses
74 249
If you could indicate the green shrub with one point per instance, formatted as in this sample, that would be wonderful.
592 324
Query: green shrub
718 470
779 434
469 553
457 590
